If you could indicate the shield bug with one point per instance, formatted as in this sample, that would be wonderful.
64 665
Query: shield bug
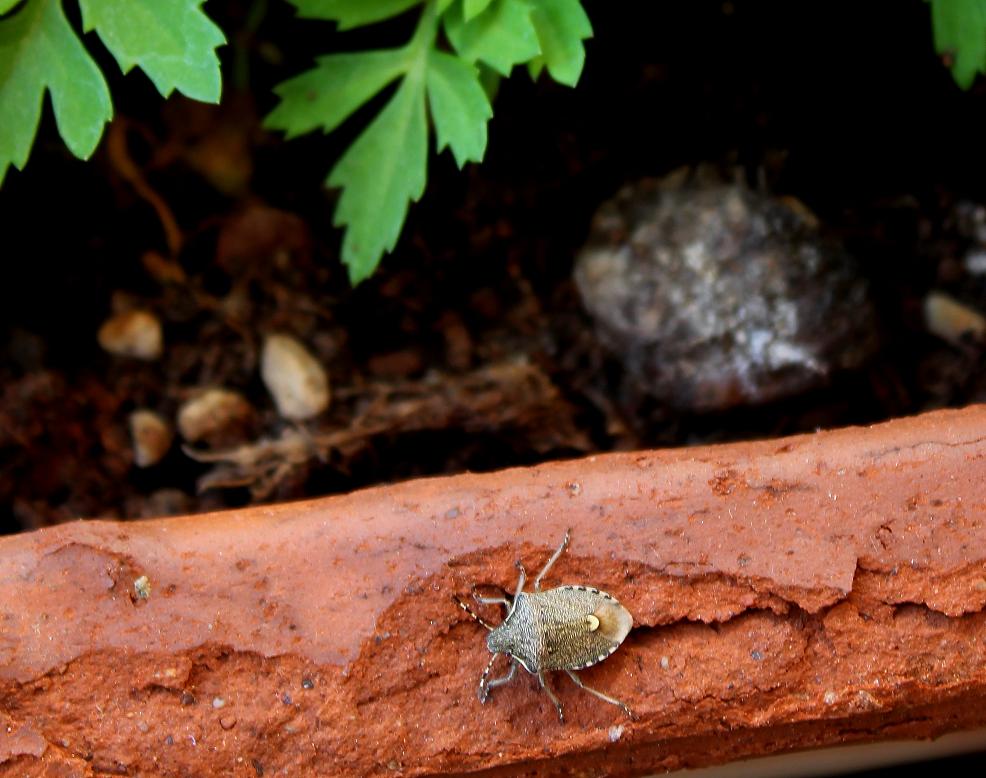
567 628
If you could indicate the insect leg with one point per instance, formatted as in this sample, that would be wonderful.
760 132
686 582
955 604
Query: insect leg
554 558
491 600
523 577
469 610
599 694
520 587
551 694
485 686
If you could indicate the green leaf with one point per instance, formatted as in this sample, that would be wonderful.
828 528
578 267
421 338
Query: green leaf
535 67
459 107
473 8
490 80
328 93
501 36
960 33
381 173
39 51
561 27
6 5
352 13
172 41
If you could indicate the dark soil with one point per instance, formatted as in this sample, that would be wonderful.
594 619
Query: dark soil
468 350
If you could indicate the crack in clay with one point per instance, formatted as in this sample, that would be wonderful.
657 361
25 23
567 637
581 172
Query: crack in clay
941 584
98 552
797 612
884 727
880 454
374 696
645 629
737 588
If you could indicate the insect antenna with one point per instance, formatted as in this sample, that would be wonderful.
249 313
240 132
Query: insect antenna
470 611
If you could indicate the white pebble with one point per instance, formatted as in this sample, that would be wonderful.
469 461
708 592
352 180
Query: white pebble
211 412
951 320
295 379
135 334
152 436
142 587
975 262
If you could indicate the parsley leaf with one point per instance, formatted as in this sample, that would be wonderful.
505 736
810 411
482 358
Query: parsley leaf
40 51
960 33
380 173
459 106
502 36
328 93
471 8
173 42
561 27
385 168
352 13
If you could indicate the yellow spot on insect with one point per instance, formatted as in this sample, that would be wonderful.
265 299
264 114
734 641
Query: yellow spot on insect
593 622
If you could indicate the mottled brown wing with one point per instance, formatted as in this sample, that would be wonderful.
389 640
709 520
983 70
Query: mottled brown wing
581 626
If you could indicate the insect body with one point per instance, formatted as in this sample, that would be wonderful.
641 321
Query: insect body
568 628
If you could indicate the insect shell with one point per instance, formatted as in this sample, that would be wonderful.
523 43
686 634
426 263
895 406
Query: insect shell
567 628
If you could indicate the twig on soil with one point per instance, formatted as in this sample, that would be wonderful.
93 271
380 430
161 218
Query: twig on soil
514 393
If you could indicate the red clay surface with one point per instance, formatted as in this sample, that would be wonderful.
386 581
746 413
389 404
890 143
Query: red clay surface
788 593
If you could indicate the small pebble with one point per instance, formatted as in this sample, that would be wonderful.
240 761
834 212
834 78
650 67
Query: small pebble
142 587
136 334
307 683
227 722
164 502
975 262
830 698
615 733
218 702
212 414
152 436
295 379
665 663
953 321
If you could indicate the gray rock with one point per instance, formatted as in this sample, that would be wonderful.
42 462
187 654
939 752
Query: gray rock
714 295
